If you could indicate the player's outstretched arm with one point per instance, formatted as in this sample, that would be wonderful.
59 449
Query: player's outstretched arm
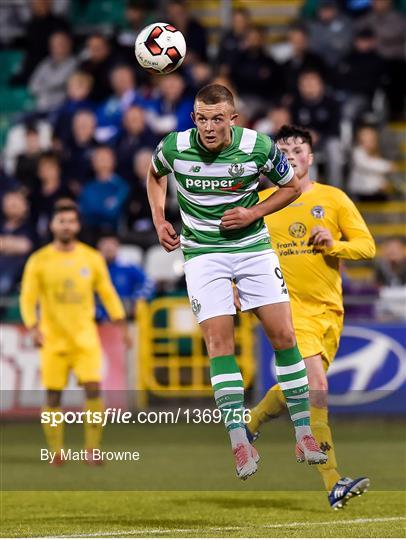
156 188
239 217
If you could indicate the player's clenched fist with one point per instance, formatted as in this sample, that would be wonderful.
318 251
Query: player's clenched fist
167 236
37 336
321 237
237 218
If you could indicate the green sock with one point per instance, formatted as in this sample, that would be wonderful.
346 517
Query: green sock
292 378
228 387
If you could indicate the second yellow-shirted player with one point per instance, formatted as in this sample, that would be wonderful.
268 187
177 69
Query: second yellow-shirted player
58 307
311 235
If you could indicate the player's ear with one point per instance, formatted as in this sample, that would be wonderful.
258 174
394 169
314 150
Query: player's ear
234 117
311 158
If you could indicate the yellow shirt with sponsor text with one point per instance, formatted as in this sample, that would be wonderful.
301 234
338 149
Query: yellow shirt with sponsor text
62 284
313 276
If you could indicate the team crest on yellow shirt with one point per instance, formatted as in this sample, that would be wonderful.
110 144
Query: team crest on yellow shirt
297 229
317 212
84 271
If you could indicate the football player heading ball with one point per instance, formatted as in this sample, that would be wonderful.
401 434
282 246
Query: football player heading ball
224 238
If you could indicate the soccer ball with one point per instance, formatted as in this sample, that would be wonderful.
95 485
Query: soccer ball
160 48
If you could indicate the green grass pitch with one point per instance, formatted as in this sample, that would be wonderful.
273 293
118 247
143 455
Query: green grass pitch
184 485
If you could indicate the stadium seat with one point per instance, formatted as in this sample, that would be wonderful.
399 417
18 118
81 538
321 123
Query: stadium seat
16 99
98 12
162 266
131 255
10 61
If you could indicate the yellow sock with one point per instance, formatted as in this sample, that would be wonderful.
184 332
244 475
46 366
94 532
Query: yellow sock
93 431
273 404
322 433
53 434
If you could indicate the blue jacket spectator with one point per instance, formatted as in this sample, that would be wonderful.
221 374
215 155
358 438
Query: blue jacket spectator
170 111
110 113
17 239
129 280
134 136
76 156
78 90
102 199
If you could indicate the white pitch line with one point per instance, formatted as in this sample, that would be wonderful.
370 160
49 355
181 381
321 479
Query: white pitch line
235 528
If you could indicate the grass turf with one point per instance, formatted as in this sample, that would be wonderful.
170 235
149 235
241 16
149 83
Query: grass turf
202 497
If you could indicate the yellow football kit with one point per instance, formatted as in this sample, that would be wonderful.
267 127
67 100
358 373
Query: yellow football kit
314 282
63 286
313 274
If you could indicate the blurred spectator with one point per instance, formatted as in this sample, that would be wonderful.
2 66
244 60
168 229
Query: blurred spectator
359 75
129 280
232 39
134 136
199 74
302 59
48 81
170 111
277 117
17 142
320 113
26 167
7 183
16 240
49 190
368 174
14 16
78 91
195 35
98 62
102 199
138 15
77 152
256 76
126 94
389 26
331 33
390 268
41 25
139 222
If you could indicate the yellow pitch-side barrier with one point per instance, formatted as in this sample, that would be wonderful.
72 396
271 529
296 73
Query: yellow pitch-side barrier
171 355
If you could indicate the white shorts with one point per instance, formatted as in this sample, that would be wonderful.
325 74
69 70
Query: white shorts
257 276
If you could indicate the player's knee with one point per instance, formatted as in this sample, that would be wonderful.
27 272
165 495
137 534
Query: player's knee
284 339
54 398
217 346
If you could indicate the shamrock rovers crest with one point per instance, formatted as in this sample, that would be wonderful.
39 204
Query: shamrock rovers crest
236 170
196 306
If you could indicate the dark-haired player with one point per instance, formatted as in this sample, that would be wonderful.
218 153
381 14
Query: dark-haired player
62 279
311 236
224 239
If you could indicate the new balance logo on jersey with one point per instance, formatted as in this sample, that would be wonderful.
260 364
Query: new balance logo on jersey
208 184
195 168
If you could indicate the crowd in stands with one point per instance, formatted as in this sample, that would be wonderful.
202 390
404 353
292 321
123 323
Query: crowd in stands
98 116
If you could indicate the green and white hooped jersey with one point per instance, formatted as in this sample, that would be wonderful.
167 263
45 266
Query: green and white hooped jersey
210 183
